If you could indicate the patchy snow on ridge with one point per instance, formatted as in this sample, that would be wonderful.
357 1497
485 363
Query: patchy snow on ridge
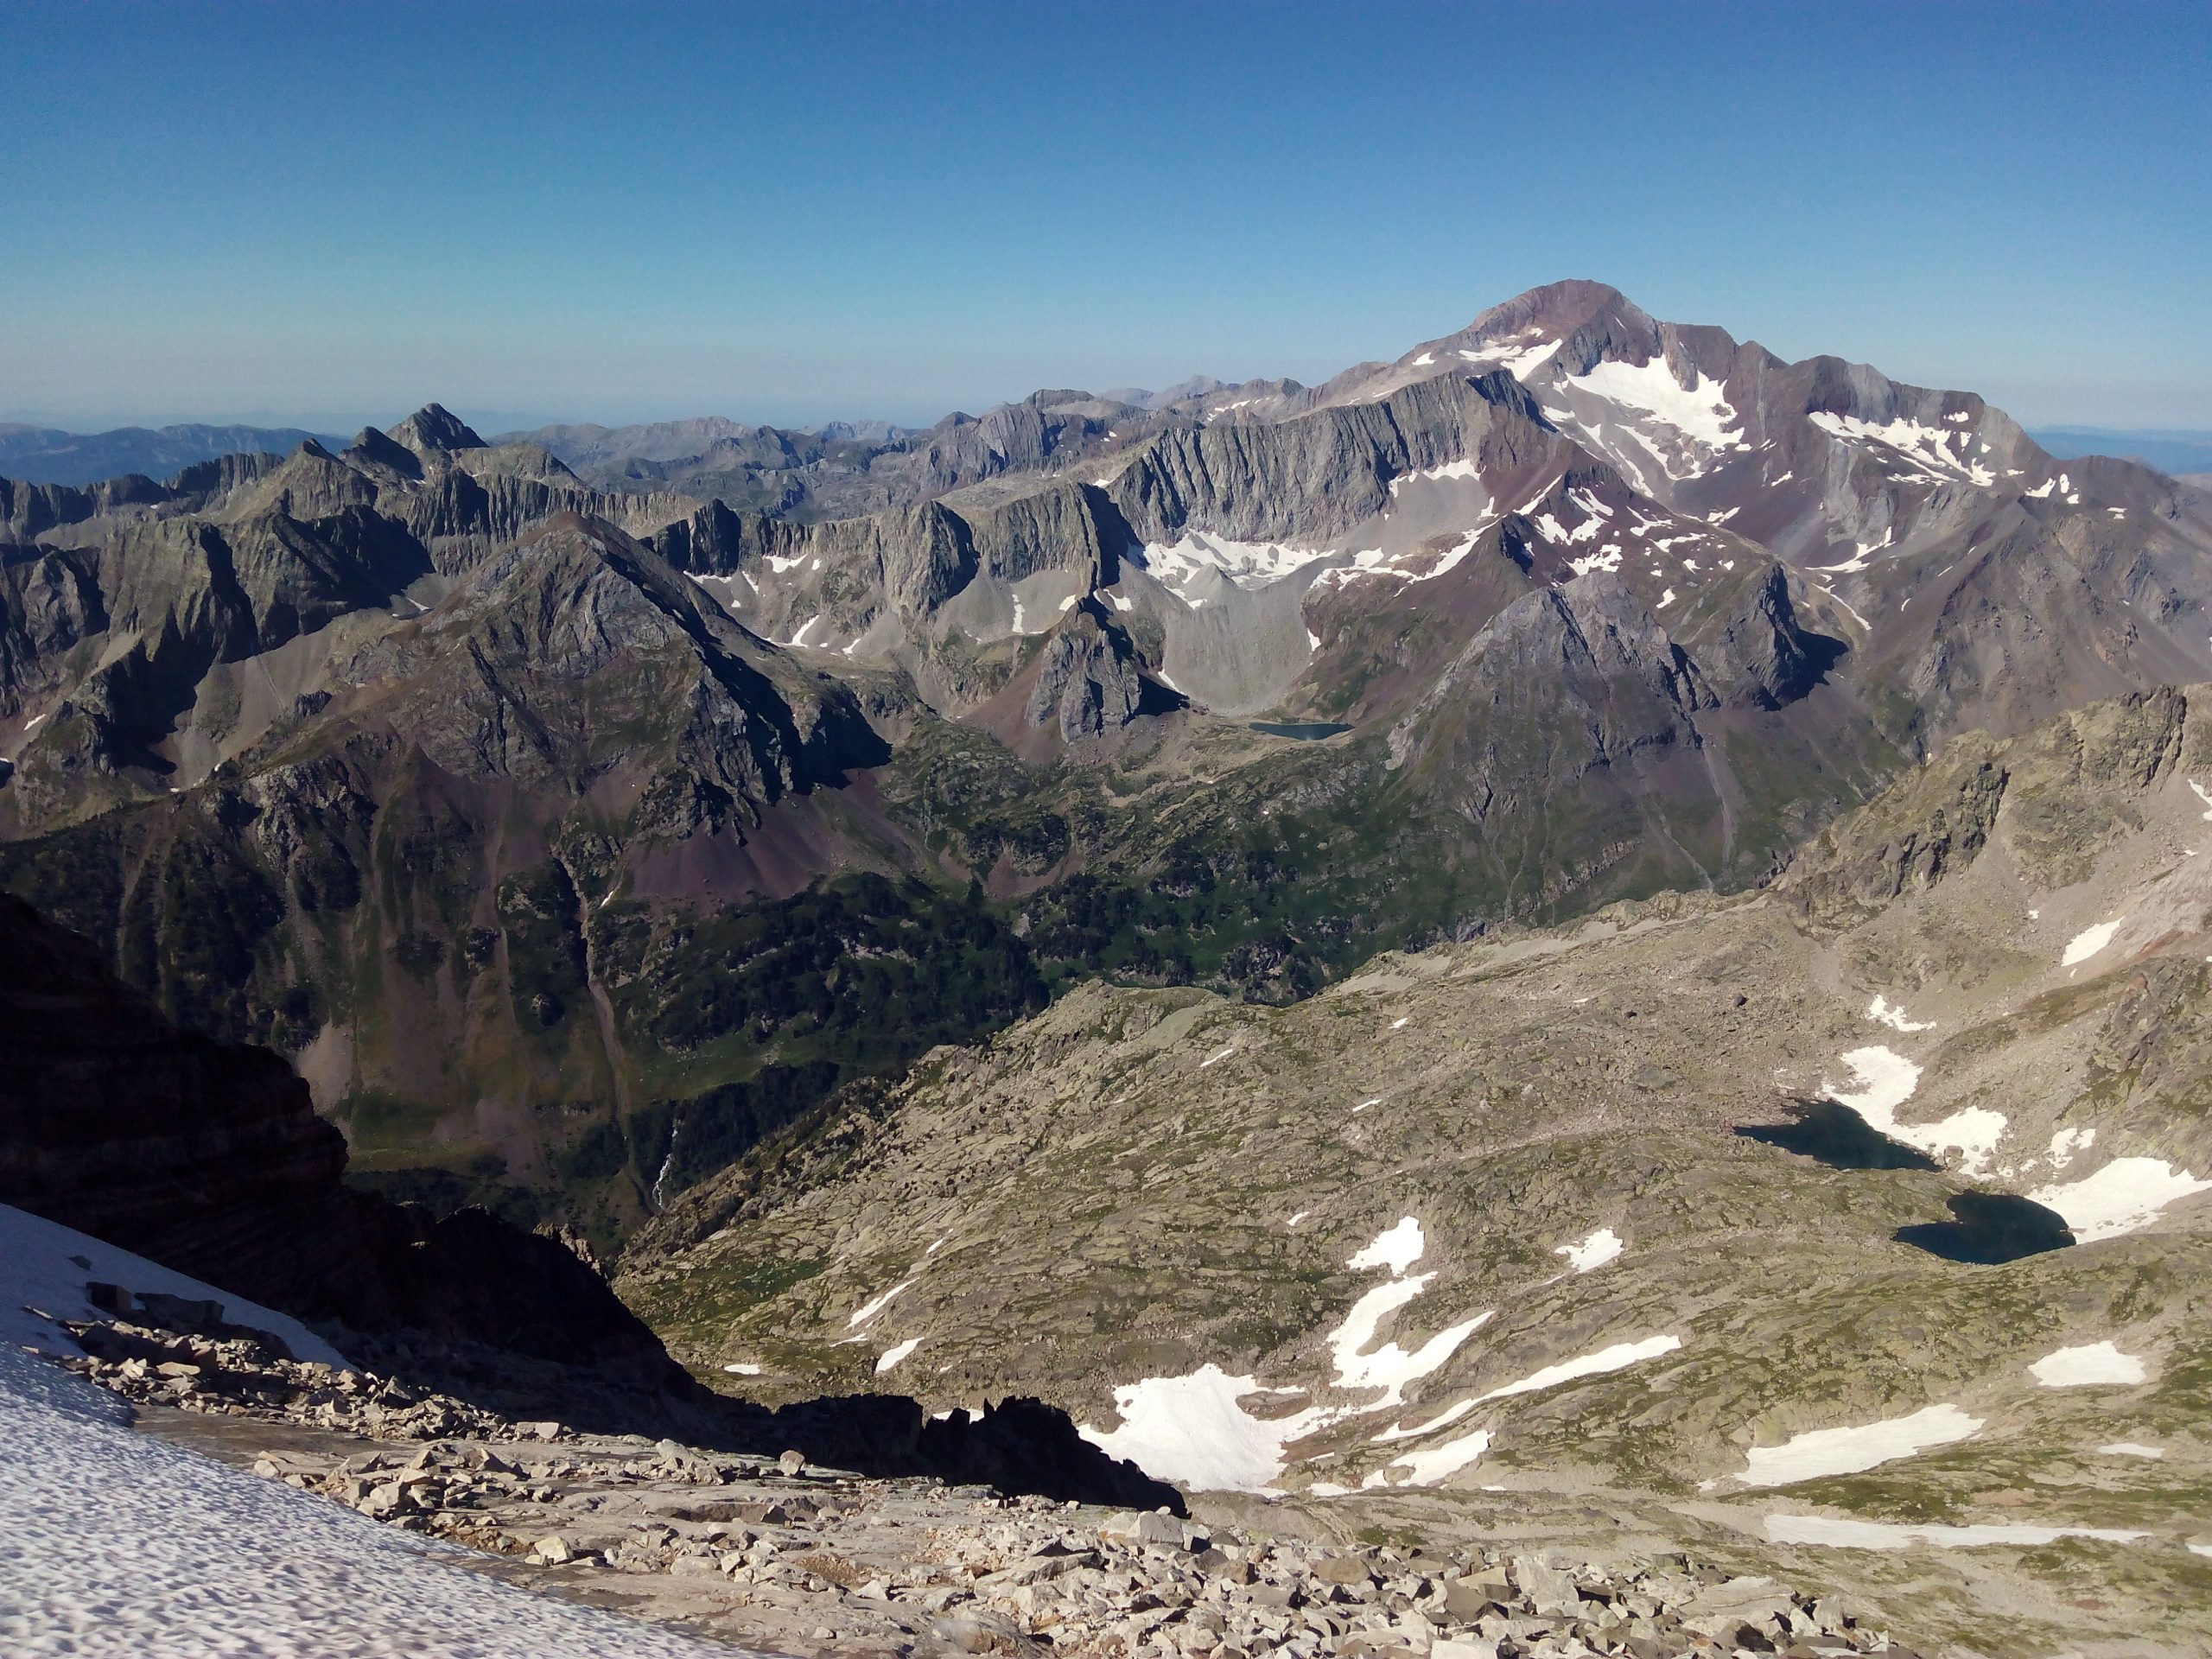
1593 1252
1699 411
1616 1357
1845 1534
116 1542
2127 1193
1881 1011
1847 1450
1884 1080
1927 449
2091 1364
1177 564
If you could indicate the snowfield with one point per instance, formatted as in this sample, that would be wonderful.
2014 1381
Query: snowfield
2093 1363
45 1265
2126 1194
1847 1450
113 1544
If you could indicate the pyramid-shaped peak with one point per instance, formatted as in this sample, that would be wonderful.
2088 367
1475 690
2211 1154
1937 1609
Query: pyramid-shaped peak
435 427
1557 310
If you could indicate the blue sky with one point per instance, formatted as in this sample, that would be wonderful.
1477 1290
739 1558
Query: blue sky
328 212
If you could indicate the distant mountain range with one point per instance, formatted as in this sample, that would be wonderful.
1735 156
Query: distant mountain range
2176 452
44 455
576 826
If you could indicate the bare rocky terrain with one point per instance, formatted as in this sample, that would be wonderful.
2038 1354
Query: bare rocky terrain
789 1557
1860 1205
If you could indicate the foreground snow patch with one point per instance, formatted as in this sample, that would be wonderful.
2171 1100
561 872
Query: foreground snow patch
896 1352
45 1266
2126 1194
2094 1363
1616 1357
114 1542
1881 1535
1847 1450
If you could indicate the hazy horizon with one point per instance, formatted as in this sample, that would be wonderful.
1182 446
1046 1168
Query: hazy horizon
315 216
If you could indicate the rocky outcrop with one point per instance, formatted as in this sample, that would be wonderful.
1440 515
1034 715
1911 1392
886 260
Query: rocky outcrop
1087 682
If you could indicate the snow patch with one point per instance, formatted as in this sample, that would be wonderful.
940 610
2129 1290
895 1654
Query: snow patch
1193 1430
2130 1449
2087 943
742 1367
893 1355
1593 1252
2126 1194
867 1310
1434 1465
121 1543
1883 1013
1397 1248
1884 1080
1698 410
1616 1357
1822 1452
39 1269
2092 1365
1443 1420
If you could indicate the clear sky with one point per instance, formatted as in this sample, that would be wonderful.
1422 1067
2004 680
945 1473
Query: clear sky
321 214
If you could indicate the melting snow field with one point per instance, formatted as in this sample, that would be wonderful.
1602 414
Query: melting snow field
114 1542
2130 1449
1601 1247
1884 1080
1847 1450
1619 1356
2094 1363
2126 1194
1881 1535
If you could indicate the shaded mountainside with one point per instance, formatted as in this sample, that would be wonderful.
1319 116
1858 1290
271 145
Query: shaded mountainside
209 1159
571 839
